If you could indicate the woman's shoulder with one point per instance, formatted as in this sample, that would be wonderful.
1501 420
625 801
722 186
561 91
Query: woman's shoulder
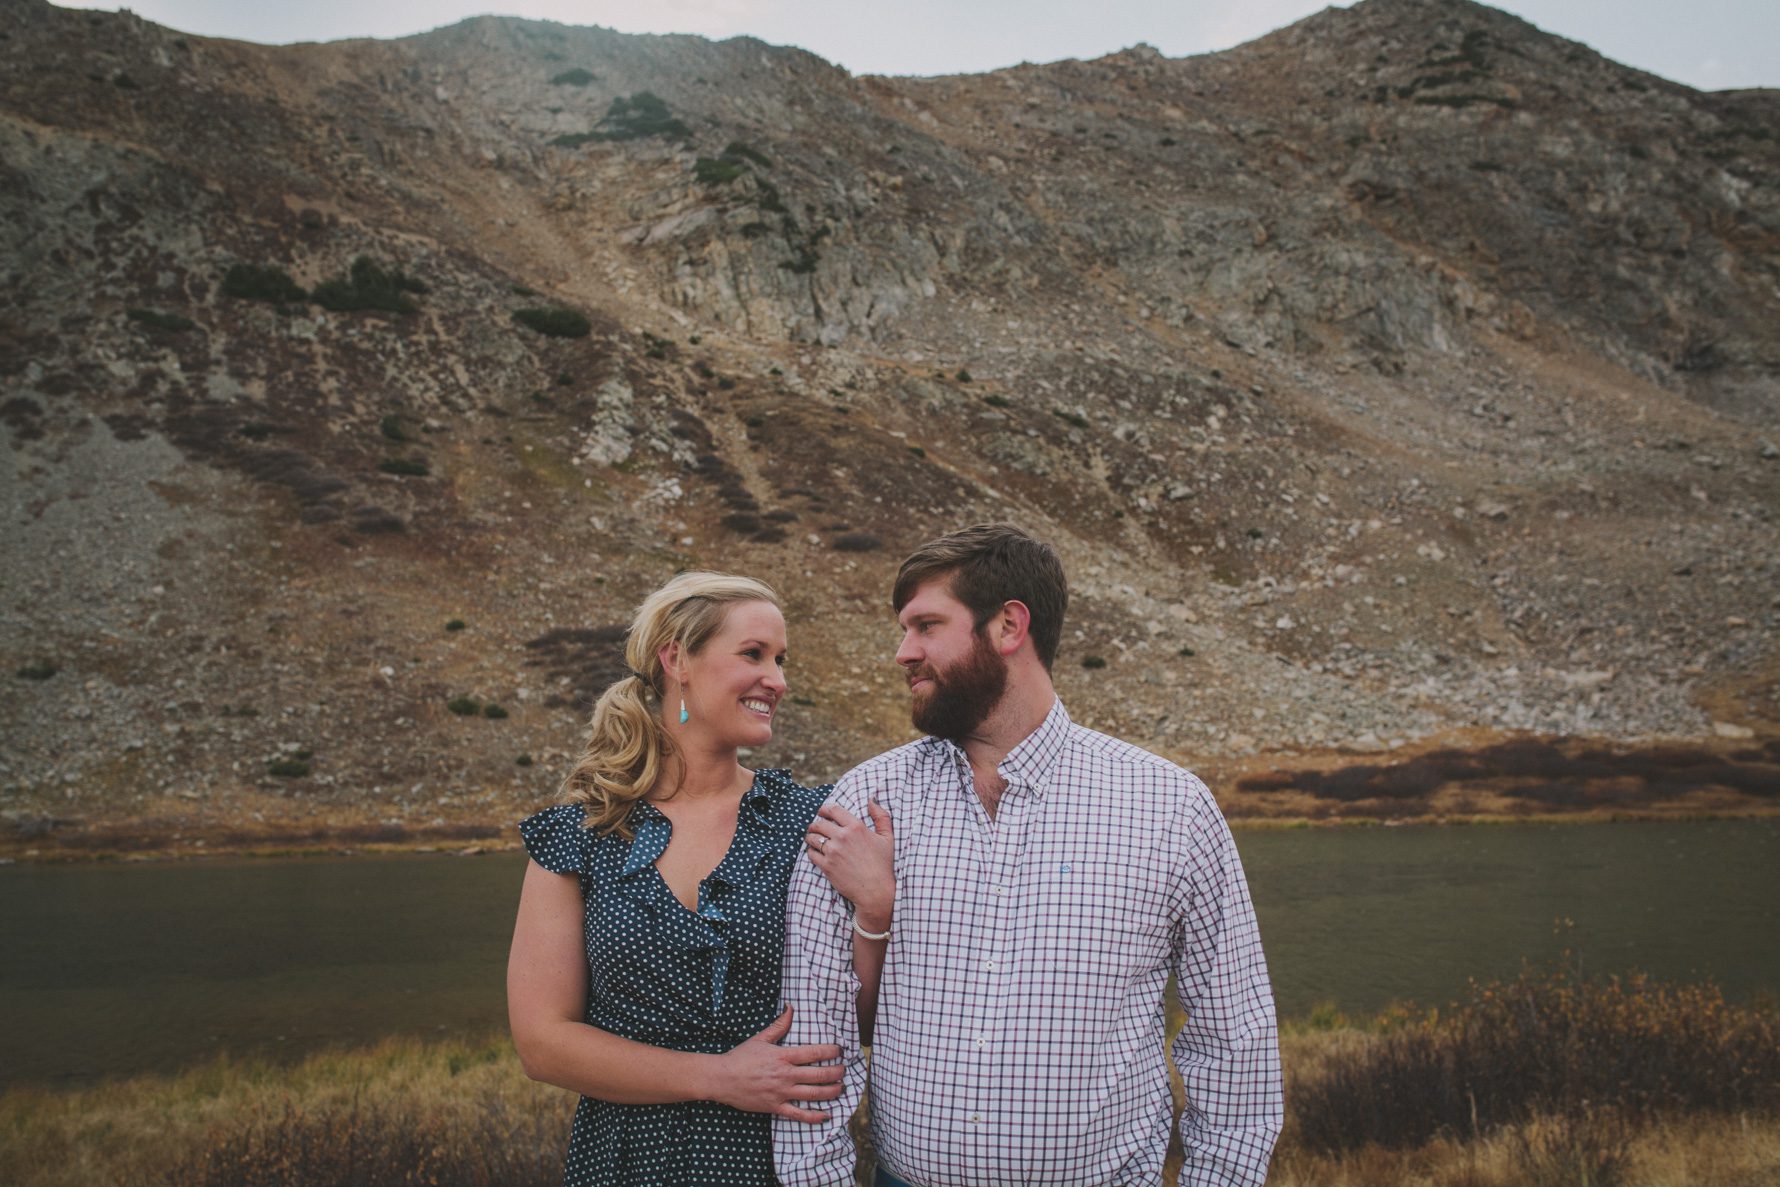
799 800
557 838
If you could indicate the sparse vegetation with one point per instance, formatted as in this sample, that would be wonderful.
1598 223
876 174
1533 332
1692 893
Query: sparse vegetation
631 117
37 670
455 624
576 77
368 285
717 170
406 467
1093 662
288 768
156 320
262 282
746 152
857 542
524 760
1071 418
464 706
963 375
494 712
995 401
554 321
1549 1044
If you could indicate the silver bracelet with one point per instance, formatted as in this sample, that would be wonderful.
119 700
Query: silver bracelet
870 935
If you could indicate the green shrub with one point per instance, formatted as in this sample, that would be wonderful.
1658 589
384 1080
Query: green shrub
1093 662
262 282
257 430
368 286
391 428
917 451
38 670
159 321
1186 653
1074 418
287 768
519 290
803 263
857 542
631 117
963 375
493 712
577 77
747 152
524 760
464 706
554 322
994 401
717 170
455 624
407 467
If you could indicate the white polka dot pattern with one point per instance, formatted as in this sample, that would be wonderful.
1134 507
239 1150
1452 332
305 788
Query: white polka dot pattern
658 973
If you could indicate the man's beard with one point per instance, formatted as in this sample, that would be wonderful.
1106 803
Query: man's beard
961 697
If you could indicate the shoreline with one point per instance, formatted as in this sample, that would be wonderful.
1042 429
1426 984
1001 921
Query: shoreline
320 844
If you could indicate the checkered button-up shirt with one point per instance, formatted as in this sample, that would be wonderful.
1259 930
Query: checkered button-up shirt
1019 1034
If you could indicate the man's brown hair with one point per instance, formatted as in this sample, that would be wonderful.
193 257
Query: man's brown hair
990 564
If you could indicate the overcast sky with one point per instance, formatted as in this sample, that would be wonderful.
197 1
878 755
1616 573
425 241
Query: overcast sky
1710 44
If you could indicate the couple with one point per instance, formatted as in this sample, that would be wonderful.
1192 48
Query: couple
1001 933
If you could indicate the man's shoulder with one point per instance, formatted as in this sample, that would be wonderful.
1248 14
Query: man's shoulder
886 772
1118 758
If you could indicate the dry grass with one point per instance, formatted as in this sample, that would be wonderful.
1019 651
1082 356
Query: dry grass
460 1109
1617 1101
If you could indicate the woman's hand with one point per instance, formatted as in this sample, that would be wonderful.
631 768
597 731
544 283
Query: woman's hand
857 860
759 1076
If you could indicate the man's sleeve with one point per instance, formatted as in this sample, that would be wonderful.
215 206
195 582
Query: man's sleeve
819 986
1228 1051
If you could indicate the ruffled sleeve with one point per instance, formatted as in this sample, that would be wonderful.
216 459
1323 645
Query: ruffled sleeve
557 839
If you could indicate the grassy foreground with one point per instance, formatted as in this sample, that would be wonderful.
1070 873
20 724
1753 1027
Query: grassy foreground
1540 1082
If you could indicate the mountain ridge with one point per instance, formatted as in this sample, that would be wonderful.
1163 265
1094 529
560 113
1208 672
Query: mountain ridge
1405 375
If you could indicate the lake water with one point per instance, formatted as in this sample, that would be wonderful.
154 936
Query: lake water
116 969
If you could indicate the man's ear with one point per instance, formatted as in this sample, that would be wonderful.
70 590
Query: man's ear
1012 626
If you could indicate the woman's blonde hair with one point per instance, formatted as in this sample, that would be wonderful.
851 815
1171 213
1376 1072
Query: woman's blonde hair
626 743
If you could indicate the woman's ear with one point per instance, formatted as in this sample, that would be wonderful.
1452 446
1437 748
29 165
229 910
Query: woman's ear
670 657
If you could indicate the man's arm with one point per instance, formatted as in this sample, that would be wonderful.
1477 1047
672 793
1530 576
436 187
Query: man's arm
1228 1051
820 987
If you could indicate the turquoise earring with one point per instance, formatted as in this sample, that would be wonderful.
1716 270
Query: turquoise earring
683 714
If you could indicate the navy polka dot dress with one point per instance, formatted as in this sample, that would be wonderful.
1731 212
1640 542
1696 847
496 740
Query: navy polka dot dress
692 981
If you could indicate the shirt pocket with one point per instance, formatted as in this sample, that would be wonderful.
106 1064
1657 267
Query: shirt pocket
1094 917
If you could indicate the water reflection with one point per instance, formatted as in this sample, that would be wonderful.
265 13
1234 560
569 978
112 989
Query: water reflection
118 969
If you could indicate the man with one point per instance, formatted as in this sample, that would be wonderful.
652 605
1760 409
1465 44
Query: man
1049 878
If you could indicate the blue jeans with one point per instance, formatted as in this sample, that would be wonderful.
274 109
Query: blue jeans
886 1179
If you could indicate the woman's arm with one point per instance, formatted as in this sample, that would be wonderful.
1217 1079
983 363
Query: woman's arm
546 998
860 863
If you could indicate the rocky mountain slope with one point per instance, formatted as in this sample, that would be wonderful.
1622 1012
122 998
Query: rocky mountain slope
1407 377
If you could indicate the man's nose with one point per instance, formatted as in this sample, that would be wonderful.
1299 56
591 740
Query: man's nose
908 654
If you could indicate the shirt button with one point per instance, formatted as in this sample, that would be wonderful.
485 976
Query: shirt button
998 890
976 1118
981 1041
989 965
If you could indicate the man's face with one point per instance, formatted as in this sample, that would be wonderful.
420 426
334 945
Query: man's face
956 677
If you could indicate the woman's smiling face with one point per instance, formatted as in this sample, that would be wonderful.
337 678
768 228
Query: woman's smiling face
734 683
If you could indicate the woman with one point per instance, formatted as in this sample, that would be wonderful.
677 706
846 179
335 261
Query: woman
645 965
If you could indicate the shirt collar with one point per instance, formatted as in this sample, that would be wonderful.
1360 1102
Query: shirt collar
653 829
1029 763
